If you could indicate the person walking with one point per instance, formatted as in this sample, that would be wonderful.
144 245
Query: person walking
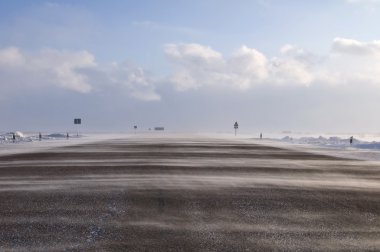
351 140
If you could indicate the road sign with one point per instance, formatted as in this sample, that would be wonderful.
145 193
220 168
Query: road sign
77 121
236 126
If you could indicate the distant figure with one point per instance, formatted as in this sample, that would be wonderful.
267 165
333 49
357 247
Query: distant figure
39 136
351 139
261 135
14 137
67 135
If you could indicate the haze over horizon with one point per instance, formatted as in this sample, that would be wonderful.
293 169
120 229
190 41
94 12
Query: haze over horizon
190 65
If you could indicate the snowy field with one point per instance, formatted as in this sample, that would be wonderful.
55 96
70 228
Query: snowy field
177 192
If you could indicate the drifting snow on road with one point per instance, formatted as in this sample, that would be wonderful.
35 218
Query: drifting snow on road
187 193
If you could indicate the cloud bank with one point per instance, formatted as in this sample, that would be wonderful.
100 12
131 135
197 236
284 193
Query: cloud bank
195 66
77 71
348 62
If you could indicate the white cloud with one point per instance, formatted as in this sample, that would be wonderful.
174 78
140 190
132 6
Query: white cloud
344 45
249 62
199 66
11 56
354 62
193 54
45 68
293 66
132 79
76 71
290 71
349 62
195 63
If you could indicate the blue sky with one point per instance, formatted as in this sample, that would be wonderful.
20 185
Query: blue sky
190 65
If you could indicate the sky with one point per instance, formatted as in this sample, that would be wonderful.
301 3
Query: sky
200 65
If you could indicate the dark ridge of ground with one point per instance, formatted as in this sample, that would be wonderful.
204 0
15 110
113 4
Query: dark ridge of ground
154 151
187 194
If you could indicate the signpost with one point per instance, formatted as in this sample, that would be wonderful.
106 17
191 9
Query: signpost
236 126
135 127
77 121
